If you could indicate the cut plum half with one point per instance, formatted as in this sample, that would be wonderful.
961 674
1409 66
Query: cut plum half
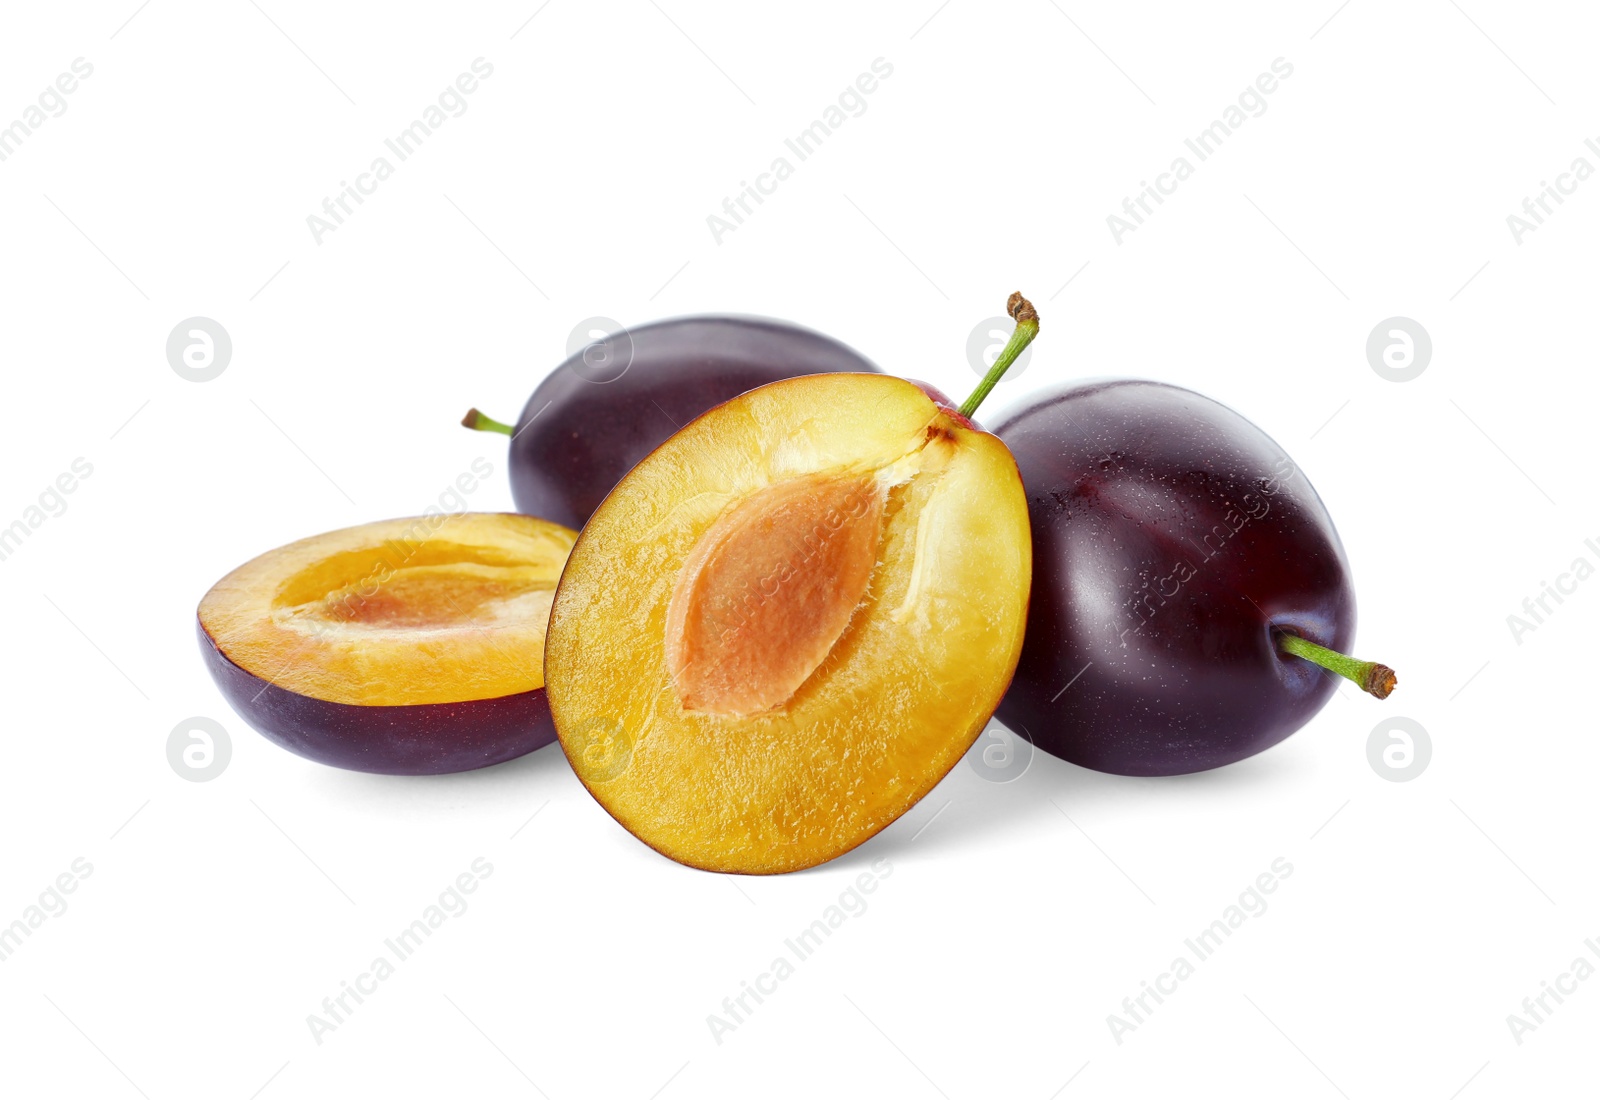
788 622
408 647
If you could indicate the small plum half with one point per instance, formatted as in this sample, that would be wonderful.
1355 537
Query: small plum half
407 647
789 621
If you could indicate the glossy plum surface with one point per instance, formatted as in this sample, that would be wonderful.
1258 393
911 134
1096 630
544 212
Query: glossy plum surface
1171 539
587 425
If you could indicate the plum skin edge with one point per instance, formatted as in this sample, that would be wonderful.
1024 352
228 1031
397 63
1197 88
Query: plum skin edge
414 739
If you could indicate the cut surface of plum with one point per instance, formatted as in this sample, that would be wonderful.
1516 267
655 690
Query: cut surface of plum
786 624
409 645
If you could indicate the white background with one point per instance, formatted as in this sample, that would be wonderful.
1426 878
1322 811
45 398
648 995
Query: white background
219 915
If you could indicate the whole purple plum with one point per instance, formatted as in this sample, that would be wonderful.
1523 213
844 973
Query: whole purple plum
1191 600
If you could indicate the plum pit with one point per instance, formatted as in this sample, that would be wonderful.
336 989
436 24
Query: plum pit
769 589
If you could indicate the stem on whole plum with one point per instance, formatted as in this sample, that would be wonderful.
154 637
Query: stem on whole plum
1370 676
1022 312
480 423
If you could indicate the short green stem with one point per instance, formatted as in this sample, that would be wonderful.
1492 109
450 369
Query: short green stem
1370 676
480 423
1022 312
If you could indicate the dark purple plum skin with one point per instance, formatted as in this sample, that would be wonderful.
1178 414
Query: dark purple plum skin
577 436
1171 539
420 739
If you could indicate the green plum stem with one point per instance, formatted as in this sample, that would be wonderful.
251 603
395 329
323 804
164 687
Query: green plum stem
1022 312
480 423
1370 676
